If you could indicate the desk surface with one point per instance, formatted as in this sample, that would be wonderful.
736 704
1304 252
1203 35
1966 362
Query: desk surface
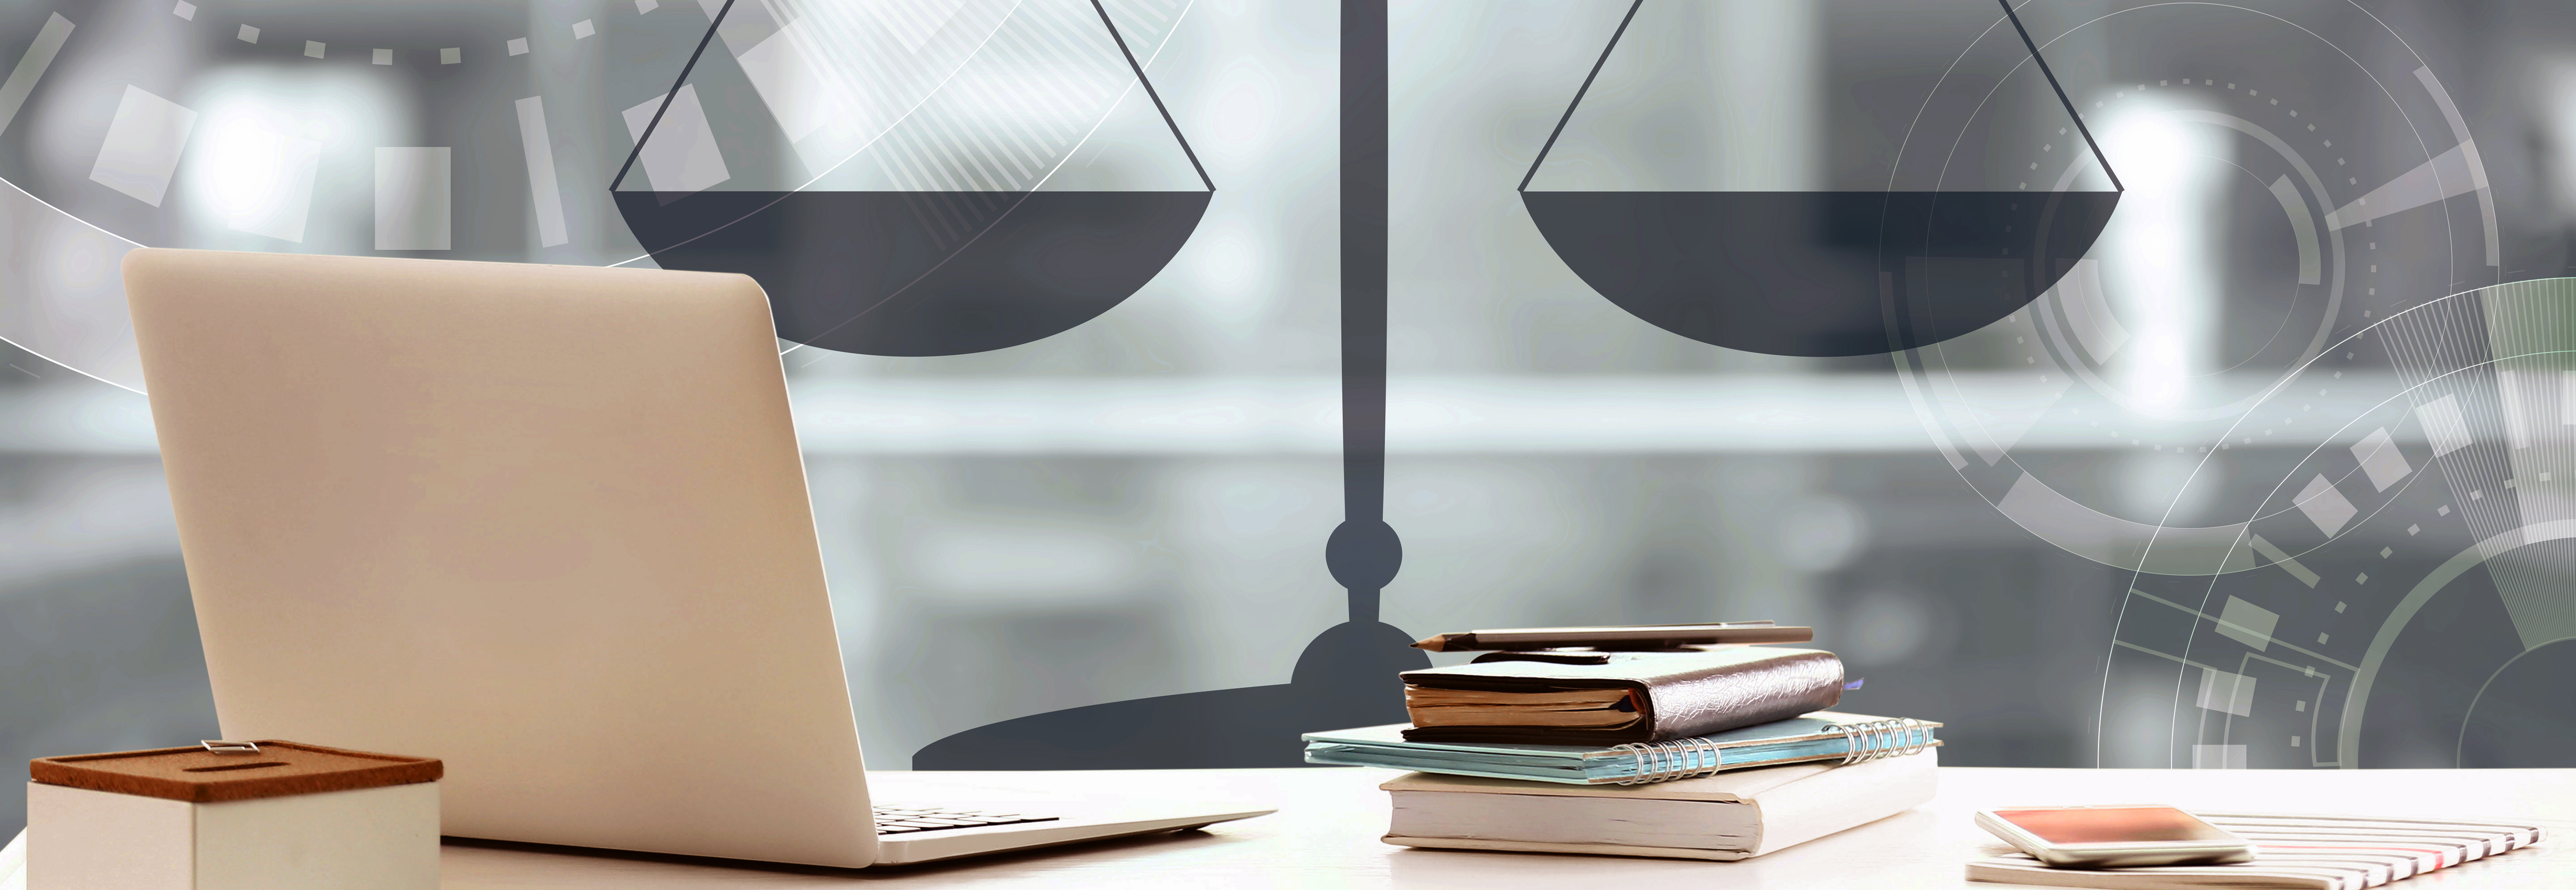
1326 835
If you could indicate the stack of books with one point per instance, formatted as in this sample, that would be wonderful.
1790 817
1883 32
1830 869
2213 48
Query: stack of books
1698 747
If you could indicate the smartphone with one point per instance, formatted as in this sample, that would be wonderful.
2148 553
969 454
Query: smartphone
2114 836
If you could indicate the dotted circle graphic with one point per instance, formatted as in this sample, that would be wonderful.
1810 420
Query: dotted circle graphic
2266 401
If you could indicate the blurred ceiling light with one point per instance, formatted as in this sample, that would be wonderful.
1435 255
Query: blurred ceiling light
2164 251
264 136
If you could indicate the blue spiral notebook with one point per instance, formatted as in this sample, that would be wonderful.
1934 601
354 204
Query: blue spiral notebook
1821 735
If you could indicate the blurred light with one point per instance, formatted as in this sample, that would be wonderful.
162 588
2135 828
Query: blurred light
1237 416
2163 254
267 185
1821 533
95 512
1236 286
1889 627
2166 487
2555 116
265 138
999 564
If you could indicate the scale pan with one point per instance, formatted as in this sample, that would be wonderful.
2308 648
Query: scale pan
1820 273
922 273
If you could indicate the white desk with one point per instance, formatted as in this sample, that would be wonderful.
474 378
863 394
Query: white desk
1325 835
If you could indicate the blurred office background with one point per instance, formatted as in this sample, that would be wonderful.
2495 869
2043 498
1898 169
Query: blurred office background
1138 507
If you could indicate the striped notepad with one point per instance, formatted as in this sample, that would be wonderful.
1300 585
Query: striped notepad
2296 852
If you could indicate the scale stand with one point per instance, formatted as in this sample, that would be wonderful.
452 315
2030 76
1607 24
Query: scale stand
1347 675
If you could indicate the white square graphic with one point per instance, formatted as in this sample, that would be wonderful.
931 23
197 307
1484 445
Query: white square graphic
798 96
313 48
413 198
2227 693
2247 623
682 155
582 29
519 46
384 57
2283 559
2217 757
247 34
32 65
142 146
2325 506
545 190
2443 426
2519 393
451 55
2567 398
645 6
185 10
2379 459
267 186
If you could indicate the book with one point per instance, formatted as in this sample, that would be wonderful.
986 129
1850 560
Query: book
2294 852
1730 816
1822 735
1578 697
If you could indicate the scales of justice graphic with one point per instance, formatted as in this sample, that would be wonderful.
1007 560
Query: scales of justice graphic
945 272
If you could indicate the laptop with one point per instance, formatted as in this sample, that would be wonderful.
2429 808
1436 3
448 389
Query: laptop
547 524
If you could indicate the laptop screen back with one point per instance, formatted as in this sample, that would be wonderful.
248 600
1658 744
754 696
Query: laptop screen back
546 523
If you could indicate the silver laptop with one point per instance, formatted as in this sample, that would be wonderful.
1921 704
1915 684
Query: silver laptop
549 525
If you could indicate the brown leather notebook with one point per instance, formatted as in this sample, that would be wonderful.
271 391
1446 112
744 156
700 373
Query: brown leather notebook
1577 698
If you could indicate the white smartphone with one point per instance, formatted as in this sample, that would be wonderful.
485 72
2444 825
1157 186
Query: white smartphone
2114 836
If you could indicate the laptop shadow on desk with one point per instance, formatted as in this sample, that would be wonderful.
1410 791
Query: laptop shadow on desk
1345 678
827 876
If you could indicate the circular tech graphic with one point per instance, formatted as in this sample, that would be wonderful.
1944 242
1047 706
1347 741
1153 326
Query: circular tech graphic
2401 594
2286 396
492 131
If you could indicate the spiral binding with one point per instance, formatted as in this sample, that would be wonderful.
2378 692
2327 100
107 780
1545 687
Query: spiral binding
1898 737
1666 761
1692 758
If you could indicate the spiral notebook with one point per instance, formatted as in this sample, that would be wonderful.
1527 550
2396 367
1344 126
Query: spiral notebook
2294 852
1816 736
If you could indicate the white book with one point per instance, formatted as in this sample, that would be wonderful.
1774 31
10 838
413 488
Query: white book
1731 815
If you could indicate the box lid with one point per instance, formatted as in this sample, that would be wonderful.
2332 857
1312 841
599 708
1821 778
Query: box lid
198 775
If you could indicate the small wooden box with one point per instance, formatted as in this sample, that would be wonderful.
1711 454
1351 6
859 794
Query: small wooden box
289 817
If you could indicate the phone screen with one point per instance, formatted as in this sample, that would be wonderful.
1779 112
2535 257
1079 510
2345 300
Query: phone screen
2107 825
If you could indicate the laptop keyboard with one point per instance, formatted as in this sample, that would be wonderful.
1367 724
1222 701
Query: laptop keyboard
906 820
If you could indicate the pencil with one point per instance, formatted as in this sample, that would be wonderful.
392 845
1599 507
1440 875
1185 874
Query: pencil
1647 636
